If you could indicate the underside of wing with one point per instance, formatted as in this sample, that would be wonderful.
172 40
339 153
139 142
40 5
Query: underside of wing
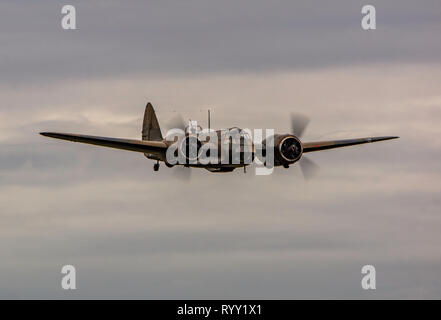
152 147
324 145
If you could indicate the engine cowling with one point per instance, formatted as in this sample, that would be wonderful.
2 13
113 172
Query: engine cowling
287 149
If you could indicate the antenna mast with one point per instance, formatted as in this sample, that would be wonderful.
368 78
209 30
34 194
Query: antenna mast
209 120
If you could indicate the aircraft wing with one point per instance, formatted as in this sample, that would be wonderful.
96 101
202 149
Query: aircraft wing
324 145
125 144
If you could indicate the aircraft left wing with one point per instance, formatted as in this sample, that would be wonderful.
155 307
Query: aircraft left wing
156 147
324 145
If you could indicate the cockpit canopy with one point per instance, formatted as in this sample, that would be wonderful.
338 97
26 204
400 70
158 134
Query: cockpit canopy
193 127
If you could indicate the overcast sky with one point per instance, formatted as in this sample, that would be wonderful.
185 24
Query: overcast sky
134 233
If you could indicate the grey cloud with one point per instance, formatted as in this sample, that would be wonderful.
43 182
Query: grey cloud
199 37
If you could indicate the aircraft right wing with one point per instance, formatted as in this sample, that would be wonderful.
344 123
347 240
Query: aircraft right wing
324 145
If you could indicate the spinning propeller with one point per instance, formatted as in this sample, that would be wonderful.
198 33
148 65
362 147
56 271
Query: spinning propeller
299 123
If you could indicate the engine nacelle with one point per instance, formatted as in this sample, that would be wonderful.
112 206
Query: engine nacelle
287 149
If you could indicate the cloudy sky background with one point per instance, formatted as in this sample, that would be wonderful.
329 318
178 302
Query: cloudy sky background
133 233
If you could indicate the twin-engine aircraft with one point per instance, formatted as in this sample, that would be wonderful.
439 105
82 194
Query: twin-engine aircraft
218 150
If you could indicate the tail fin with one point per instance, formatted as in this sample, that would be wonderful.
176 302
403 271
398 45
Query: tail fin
150 127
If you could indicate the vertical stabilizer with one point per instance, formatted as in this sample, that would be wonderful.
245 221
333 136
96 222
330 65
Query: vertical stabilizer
150 126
